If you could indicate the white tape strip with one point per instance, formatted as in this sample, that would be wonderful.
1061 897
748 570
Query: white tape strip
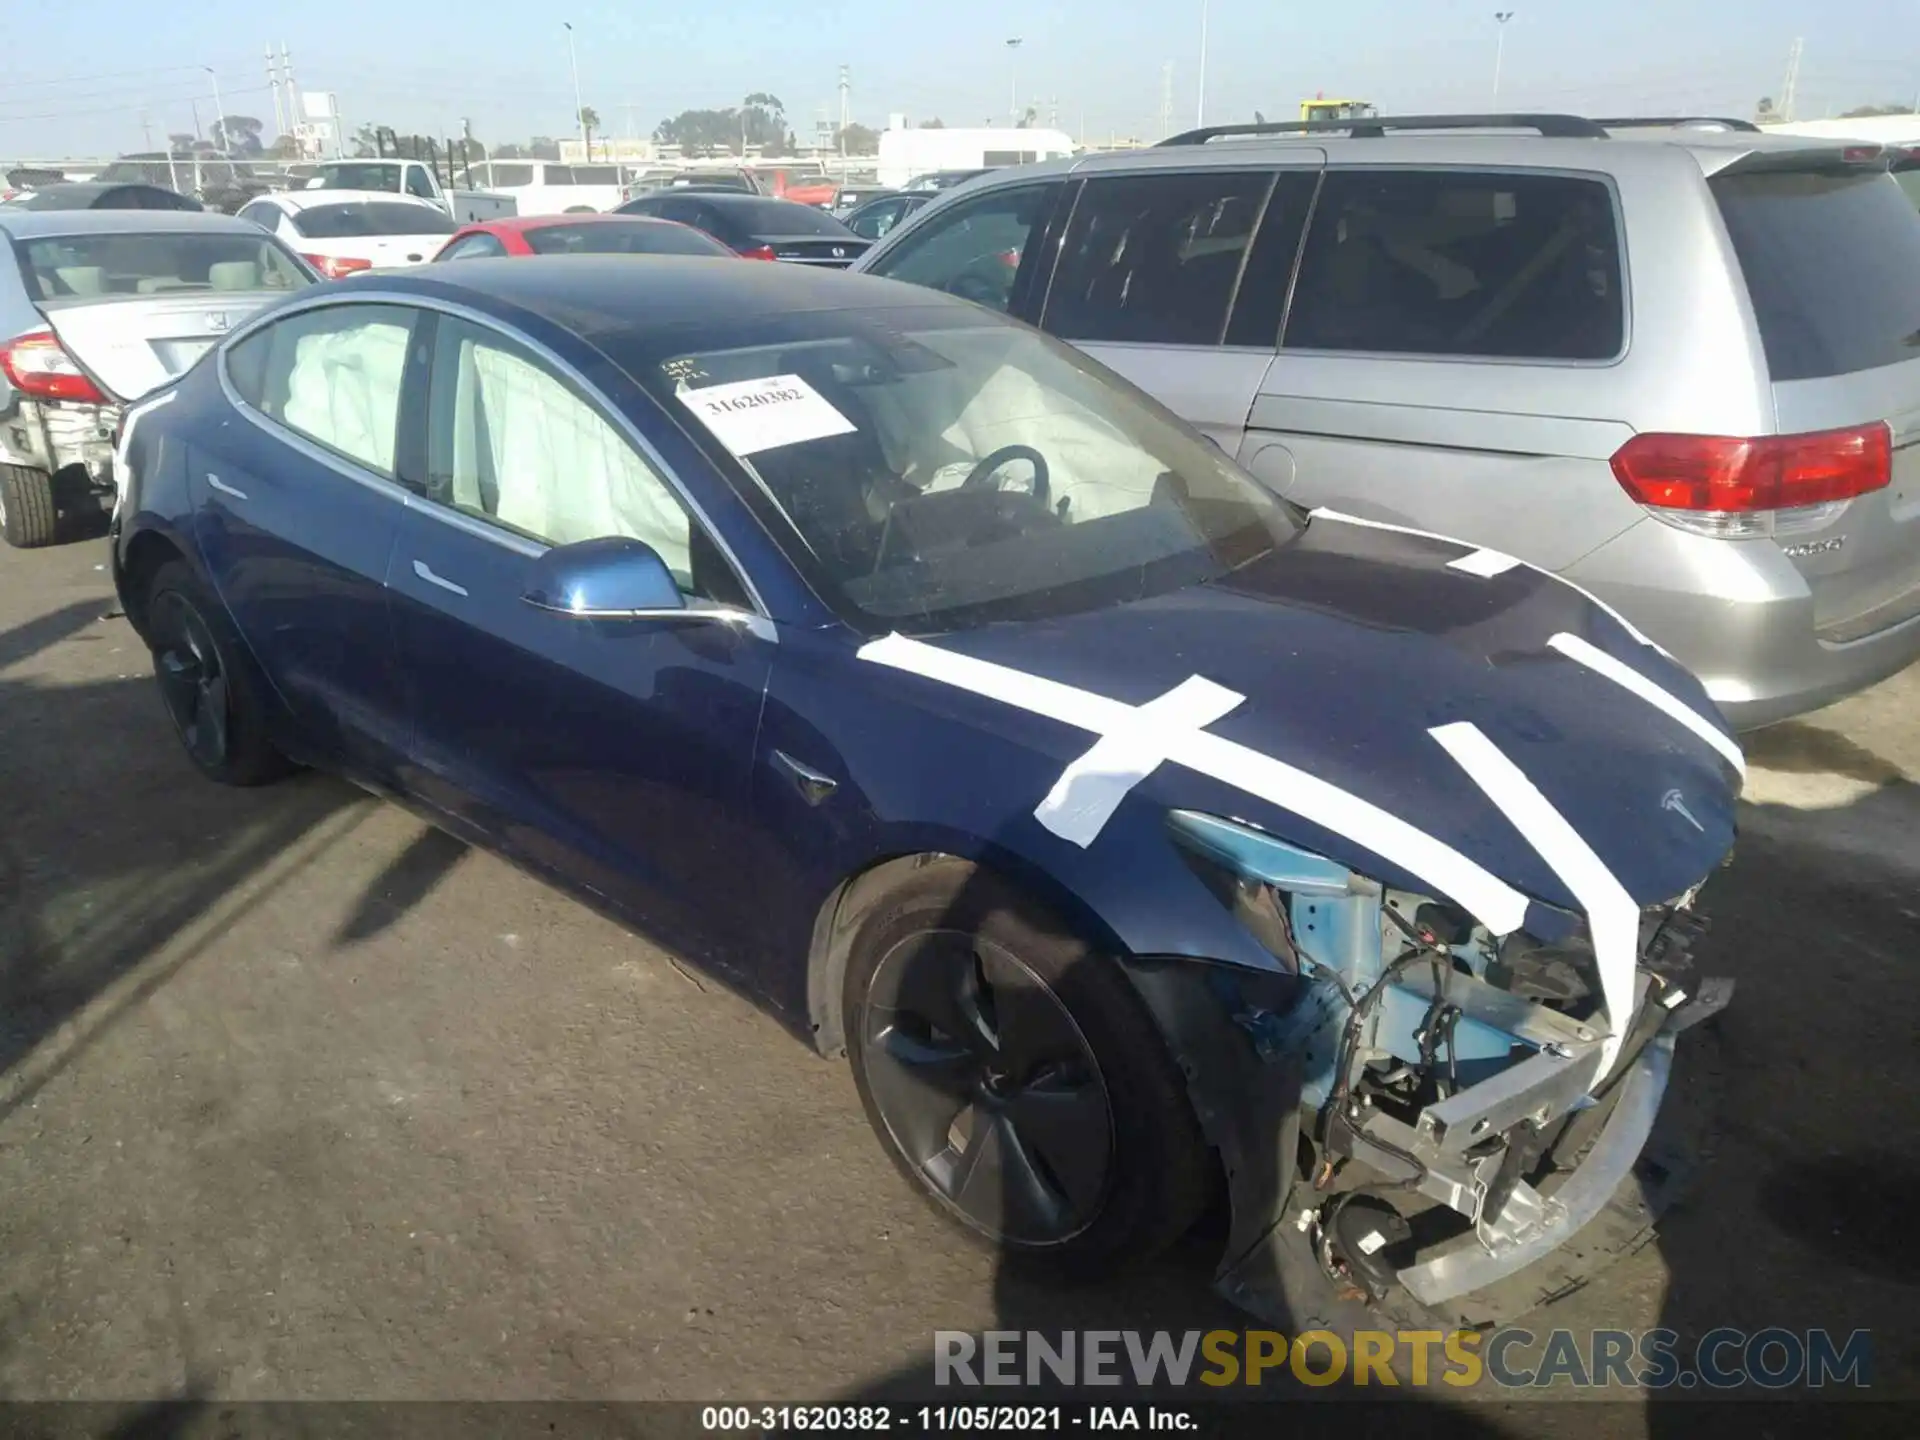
1613 920
1089 790
1484 563
1488 898
1463 564
1625 676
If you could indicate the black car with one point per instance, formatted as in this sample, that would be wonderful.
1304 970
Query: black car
880 214
758 226
92 195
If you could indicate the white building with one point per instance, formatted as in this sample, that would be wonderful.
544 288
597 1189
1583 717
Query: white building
906 153
1873 129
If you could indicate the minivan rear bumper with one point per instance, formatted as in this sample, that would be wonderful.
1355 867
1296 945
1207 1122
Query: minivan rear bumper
1741 617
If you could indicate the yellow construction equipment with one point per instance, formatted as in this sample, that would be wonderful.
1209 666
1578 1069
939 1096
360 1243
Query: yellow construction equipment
1321 108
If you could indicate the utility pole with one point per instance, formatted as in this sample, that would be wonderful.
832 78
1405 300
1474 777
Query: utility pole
1792 81
846 113
1200 105
219 111
466 149
1013 83
146 131
1166 100
1500 19
579 105
273 84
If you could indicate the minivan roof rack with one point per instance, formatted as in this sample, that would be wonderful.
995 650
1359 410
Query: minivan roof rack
1372 127
1675 122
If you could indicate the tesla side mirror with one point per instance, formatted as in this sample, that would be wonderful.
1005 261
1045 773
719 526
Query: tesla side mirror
605 578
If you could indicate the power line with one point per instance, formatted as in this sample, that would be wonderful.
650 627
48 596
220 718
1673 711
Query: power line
123 109
17 84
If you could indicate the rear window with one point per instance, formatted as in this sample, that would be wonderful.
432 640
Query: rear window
375 175
606 237
778 217
77 267
376 217
1463 263
1830 261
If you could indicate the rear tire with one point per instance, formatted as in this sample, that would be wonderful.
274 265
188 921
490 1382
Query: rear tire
28 516
213 695
1016 1079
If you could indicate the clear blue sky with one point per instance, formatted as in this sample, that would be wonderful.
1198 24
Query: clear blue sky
74 80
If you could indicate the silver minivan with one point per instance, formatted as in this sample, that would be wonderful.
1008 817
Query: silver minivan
1675 362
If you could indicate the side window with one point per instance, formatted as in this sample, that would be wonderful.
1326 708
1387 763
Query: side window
877 220
332 375
512 443
265 215
418 183
974 249
1264 281
1154 259
1437 262
474 247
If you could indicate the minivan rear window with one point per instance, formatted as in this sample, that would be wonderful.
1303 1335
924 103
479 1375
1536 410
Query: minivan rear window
1830 260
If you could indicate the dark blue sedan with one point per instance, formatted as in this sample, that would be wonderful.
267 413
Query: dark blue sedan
1133 833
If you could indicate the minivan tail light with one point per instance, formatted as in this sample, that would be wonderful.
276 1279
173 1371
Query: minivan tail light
335 267
1727 486
37 364
759 252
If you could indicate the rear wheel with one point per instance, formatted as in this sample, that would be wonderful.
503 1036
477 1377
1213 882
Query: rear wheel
1015 1077
28 516
207 681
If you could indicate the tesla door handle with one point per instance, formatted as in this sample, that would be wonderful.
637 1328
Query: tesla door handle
425 572
225 489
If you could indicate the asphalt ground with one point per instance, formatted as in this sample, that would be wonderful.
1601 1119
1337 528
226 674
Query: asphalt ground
301 1099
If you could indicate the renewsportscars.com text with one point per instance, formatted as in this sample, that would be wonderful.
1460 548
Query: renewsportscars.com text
1512 1357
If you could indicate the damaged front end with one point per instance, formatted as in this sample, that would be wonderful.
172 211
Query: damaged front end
1418 1117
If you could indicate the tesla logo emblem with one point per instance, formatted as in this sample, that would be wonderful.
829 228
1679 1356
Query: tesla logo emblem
1672 801
219 324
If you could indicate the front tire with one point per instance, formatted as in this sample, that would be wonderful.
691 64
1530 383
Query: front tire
28 516
207 681
1016 1079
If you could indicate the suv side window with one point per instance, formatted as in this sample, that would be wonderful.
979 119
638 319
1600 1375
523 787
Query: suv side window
1154 259
976 248
1454 262
515 445
333 375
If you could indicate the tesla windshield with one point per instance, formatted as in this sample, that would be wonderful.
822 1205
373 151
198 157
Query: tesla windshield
944 468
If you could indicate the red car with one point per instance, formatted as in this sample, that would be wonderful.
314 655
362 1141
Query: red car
578 235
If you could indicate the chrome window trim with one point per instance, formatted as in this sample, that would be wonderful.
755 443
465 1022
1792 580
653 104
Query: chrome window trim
480 319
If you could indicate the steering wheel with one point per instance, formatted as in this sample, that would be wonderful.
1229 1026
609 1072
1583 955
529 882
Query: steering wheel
978 477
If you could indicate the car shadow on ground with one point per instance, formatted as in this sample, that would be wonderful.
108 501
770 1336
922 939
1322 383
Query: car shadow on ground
112 852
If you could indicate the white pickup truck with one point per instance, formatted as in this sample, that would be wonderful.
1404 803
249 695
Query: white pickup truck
415 178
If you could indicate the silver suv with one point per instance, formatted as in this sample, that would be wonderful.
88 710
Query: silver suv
1676 362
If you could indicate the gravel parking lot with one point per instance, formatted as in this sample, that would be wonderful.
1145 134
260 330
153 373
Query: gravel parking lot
300 1099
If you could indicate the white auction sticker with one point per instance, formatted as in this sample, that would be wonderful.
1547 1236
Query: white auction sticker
754 415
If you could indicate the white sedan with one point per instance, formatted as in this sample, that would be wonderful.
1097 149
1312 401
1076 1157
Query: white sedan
343 232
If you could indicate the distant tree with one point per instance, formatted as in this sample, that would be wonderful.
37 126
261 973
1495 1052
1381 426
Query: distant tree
1861 112
857 140
179 144
238 135
1764 110
285 148
511 151
543 147
589 122
934 124
701 132
1027 117
763 122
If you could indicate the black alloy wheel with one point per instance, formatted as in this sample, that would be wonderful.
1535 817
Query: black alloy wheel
193 682
988 1087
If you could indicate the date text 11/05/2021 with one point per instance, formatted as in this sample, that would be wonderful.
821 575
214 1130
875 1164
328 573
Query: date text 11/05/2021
936 1419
